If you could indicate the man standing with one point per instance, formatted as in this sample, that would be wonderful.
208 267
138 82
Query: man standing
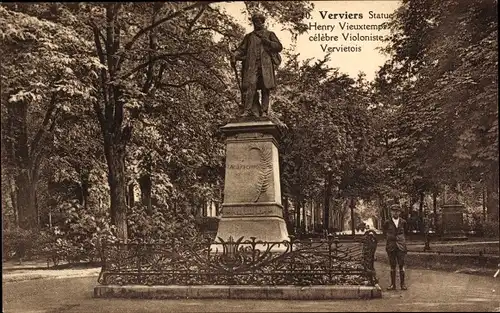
394 231
259 53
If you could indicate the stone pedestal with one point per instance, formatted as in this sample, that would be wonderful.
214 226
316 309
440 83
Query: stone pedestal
252 195
452 222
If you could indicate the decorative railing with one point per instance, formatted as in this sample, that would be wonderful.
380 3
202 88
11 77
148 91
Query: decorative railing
242 262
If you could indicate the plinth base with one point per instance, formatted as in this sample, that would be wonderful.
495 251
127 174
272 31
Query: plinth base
239 292
264 228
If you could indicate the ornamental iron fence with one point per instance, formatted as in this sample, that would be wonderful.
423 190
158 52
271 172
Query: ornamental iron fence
329 261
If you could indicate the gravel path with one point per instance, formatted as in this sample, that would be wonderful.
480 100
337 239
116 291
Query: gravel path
428 291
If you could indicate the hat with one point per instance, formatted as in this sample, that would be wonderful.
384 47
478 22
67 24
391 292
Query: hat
396 207
258 16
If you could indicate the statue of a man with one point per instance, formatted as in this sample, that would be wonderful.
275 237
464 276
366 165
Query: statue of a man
259 54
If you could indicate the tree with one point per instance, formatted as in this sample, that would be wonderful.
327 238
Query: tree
440 52
46 72
327 144
118 42
154 59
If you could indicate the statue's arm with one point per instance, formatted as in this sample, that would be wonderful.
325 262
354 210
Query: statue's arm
274 43
241 51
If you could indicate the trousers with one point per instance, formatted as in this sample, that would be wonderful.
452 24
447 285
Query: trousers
251 102
396 257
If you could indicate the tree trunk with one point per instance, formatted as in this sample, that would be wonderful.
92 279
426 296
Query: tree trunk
434 207
326 216
13 197
297 215
352 205
286 213
19 153
115 156
146 185
312 221
304 216
332 213
131 196
26 198
421 212
342 214
492 195
84 188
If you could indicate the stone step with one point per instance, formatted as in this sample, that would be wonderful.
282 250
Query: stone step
318 292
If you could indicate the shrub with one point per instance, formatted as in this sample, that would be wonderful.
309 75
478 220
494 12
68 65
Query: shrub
162 226
490 229
78 238
18 244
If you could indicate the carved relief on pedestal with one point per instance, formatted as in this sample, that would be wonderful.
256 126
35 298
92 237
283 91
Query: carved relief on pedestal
265 170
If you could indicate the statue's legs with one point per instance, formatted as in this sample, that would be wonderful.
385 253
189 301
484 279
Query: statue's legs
265 101
251 100
256 104
251 103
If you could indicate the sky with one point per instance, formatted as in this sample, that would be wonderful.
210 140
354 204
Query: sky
363 55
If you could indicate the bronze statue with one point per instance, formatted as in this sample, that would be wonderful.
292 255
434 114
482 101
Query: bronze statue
259 54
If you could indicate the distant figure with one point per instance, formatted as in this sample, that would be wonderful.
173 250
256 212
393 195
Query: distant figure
259 53
427 229
394 231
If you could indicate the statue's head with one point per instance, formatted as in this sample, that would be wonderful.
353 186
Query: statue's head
258 20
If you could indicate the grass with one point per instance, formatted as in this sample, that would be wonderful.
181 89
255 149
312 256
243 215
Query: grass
479 249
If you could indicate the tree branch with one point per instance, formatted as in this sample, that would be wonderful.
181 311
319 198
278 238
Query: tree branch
53 124
213 29
160 75
110 39
209 66
191 24
109 108
46 119
143 31
156 58
152 49
118 110
36 157
100 116
102 59
116 88
187 82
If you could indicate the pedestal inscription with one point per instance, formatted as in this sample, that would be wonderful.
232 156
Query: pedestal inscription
252 194
249 176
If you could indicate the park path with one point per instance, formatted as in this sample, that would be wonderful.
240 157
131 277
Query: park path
428 291
469 243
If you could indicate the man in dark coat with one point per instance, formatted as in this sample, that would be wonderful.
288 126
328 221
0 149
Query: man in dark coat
259 53
394 231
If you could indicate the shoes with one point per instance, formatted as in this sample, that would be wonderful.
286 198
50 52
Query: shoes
402 279
393 281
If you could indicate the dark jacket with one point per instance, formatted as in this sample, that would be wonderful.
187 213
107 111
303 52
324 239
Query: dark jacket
395 235
252 48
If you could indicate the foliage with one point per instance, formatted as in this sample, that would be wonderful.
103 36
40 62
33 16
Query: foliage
47 73
17 243
329 132
162 226
490 229
438 92
97 97
79 237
